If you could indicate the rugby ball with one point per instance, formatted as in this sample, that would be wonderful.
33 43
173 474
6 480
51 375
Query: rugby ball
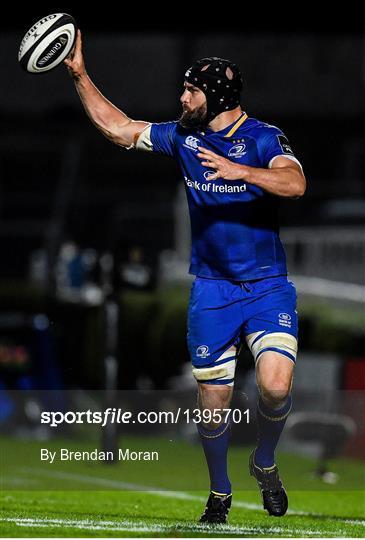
47 43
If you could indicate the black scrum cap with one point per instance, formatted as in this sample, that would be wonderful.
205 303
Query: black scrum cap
221 82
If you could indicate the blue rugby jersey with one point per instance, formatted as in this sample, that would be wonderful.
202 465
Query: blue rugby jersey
234 224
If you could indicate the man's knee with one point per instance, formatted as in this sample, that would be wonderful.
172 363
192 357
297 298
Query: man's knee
212 399
215 394
274 374
275 390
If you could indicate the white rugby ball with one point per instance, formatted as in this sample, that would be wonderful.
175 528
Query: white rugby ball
47 43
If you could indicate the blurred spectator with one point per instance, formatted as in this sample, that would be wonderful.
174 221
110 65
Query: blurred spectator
135 273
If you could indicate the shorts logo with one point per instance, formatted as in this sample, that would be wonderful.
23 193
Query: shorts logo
285 320
202 351
192 143
237 151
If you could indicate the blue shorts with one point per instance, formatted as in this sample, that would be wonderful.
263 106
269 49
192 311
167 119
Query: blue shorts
222 313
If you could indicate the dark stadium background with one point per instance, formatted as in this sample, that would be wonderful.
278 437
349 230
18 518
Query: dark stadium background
62 182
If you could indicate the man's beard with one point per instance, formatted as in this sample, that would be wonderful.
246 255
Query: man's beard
196 119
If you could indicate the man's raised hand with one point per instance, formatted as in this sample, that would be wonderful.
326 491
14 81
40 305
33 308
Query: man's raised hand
75 60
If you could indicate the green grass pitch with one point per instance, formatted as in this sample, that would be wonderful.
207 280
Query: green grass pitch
165 499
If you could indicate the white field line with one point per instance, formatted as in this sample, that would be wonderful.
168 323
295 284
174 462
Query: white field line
21 481
117 484
181 527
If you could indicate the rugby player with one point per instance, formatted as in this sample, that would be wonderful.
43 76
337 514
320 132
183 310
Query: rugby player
235 168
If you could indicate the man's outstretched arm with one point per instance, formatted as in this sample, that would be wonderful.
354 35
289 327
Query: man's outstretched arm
112 122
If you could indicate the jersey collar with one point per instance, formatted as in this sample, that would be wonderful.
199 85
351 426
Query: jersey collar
229 130
233 127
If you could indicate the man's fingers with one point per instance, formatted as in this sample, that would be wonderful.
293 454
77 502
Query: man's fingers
210 164
207 152
77 48
68 59
78 43
76 52
210 158
213 176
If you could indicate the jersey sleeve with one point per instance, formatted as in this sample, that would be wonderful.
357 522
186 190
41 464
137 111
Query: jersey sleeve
158 138
273 143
